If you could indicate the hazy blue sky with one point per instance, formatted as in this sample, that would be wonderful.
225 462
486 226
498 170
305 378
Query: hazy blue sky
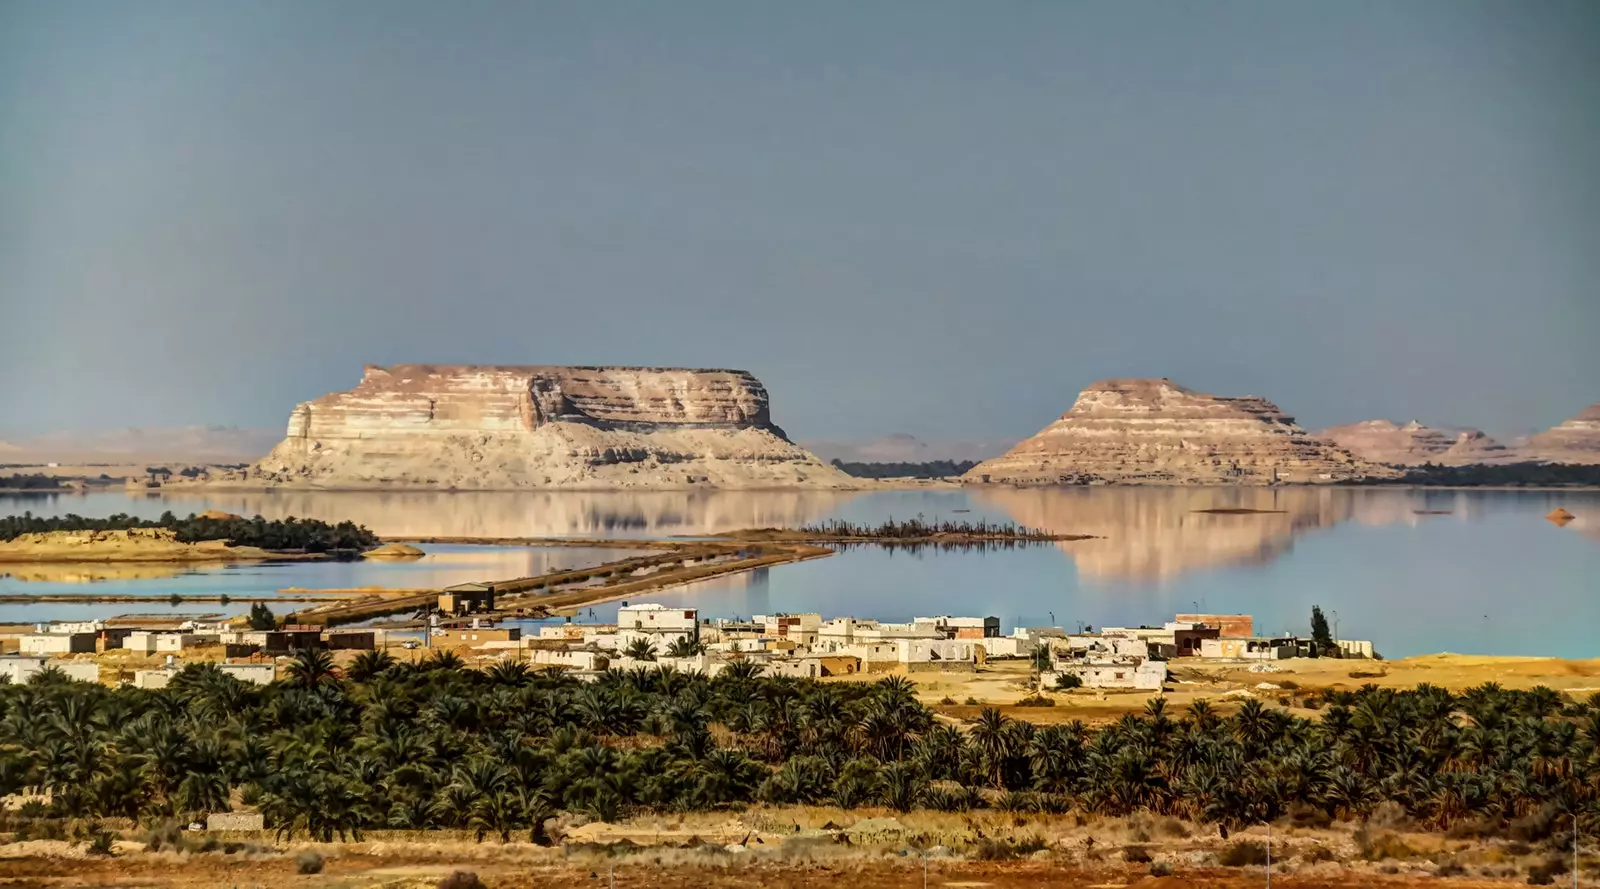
935 218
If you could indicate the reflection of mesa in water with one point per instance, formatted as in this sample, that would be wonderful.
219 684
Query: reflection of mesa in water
97 572
544 513
1159 532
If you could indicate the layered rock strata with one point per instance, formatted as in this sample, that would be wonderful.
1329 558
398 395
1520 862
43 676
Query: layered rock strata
499 427
1575 441
1145 431
1414 444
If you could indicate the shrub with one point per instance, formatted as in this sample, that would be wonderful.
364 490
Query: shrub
947 701
1136 855
1451 868
461 879
1245 853
1302 815
1535 826
1160 868
971 701
100 841
308 862
1036 701
1068 681
1319 853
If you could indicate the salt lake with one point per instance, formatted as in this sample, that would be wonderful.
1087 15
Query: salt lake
1414 571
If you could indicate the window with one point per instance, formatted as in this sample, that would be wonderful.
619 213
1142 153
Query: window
1121 675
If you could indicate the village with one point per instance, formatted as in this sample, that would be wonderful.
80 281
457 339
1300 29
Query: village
802 645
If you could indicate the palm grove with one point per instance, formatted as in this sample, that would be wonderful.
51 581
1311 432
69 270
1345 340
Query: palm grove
432 744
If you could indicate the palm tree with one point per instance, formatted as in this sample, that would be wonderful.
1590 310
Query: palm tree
641 650
311 667
992 742
685 647
369 665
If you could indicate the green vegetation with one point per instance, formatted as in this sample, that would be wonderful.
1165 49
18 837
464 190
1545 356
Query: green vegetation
1510 475
282 535
930 469
918 528
32 482
262 618
434 745
1321 636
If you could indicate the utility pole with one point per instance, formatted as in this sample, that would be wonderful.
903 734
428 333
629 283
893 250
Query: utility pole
1269 855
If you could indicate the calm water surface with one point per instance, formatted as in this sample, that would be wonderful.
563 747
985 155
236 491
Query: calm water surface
1489 576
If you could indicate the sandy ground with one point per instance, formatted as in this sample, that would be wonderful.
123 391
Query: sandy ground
763 848
1004 683
135 545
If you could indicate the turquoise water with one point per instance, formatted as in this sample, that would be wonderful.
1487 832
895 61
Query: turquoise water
1491 576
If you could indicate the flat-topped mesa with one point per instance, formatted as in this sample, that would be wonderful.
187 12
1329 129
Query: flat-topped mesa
1149 431
508 427
1414 444
1575 441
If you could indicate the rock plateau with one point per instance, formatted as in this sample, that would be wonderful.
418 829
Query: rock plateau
502 427
1414 444
1146 431
1575 441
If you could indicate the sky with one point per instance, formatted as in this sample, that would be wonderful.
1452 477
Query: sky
935 218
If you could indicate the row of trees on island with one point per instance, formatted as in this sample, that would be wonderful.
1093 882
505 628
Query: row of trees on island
33 481
927 469
280 535
430 744
917 528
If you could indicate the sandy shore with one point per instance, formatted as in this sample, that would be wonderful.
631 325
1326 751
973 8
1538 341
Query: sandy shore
134 545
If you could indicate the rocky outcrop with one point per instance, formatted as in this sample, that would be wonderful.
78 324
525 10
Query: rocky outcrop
1145 431
1414 444
483 427
1575 441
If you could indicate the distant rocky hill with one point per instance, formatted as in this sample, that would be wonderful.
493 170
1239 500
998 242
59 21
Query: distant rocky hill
1153 431
176 444
1414 444
902 448
505 427
1575 441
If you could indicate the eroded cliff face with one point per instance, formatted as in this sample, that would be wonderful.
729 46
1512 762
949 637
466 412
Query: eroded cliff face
500 427
1146 431
1414 444
1575 441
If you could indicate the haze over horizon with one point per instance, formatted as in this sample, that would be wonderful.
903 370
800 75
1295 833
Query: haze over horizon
940 219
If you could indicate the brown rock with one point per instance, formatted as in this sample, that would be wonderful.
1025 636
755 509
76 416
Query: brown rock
1560 517
1575 441
504 427
1145 431
1413 444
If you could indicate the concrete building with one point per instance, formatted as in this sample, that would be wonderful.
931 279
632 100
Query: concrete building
570 659
1230 626
20 668
1255 649
801 628
656 624
1355 648
466 598
1142 675
962 627
57 643
256 674
448 636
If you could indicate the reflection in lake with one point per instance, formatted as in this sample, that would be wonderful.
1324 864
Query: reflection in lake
1415 571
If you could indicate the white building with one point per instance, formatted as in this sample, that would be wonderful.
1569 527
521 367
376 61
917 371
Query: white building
56 643
19 669
257 674
657 624
569 658
147 642
1145 675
